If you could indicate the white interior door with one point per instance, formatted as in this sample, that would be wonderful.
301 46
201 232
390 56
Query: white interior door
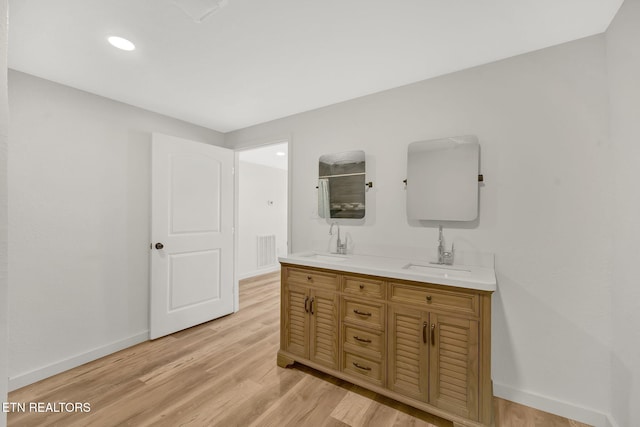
192 234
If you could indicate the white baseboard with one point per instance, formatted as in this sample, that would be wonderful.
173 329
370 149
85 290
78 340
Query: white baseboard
270 269
36 375
547 404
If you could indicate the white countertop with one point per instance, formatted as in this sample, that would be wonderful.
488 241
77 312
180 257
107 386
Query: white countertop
462 276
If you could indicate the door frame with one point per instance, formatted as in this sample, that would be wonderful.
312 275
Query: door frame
250 145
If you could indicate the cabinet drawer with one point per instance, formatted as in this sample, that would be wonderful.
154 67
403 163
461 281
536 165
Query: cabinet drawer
360 339
365 313
317 279
363 367
369 288
461 302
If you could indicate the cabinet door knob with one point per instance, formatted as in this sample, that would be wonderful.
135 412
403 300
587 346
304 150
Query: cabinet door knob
361 286
309 277
429 298
159 245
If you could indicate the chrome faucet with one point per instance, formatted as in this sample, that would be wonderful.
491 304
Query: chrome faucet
341 248
440 246
444 257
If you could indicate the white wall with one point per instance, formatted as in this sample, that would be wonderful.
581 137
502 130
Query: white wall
79 178
79 220
542 122
259 184
4 303
623 60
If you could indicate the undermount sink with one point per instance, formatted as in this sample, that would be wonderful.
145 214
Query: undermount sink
326 257
438 270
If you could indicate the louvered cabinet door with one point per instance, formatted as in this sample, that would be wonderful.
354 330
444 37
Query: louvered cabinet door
408 362
453 343
296 320
324 328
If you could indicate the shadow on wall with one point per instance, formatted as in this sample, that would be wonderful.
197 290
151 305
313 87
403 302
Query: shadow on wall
504 366
138 222
623 391
528 331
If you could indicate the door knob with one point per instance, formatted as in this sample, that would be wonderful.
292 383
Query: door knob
159 245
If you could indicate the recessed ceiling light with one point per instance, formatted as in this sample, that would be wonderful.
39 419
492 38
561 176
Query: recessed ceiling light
281 153
121 43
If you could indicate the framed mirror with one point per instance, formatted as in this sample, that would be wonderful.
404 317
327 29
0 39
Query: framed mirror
341 185
442 179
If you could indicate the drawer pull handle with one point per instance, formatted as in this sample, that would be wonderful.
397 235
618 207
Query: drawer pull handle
433 334
429 298
306 307
361 313
357 338
364 368
424 332
361 286
311 305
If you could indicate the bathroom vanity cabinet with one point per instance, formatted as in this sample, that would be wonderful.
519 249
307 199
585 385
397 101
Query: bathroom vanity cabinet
310 303
427 345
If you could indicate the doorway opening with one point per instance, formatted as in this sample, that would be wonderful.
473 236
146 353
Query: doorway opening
262 206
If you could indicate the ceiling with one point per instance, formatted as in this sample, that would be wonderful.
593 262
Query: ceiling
229 64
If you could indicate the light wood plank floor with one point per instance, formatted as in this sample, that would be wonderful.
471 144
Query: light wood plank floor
224 373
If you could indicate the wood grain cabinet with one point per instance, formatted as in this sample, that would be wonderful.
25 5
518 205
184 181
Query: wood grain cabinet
453 364
426 345
408 357
309 322
435 333
363 321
